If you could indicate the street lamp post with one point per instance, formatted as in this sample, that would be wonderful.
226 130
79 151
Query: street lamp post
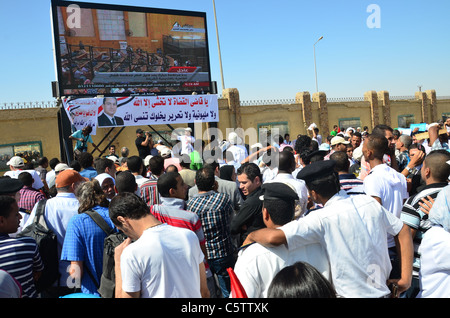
315 67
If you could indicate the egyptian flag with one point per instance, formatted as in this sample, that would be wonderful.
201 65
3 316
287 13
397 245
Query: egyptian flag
237 290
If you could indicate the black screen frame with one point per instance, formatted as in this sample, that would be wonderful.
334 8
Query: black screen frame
125 8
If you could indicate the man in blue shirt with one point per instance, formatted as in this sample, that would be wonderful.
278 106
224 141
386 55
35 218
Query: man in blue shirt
87 163
82 137
84 239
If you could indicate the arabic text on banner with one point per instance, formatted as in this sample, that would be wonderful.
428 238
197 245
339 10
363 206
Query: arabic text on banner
144 110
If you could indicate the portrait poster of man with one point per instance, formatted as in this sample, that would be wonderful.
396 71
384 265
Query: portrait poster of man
108 118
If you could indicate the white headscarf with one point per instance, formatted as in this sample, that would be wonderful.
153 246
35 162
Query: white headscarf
103 176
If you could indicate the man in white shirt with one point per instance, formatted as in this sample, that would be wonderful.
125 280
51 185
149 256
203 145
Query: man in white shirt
187 142
338 143
136 166
352 229
435 247
51 175
58 211
257 265
384 184
237 148
162 262
286 165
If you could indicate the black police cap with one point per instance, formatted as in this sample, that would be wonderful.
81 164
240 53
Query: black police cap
278 191
322 153
9 185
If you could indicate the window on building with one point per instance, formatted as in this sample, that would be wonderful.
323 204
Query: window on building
349 122
267 131
86 27
138 24
111 25
405 121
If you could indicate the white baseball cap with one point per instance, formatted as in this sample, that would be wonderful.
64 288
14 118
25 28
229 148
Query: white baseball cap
16 162
338 140
61 167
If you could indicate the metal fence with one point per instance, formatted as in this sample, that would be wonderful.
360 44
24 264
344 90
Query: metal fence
28 105
268 102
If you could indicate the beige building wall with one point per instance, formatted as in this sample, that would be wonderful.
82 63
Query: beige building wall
21 126
348 110
375 108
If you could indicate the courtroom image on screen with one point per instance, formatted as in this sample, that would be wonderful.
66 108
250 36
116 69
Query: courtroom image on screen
117 50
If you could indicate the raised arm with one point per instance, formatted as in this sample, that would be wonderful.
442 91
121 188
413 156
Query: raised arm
267 237
254 155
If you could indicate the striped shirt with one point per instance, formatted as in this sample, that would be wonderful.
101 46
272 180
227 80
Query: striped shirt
412 216
20 258
172 211
214 210
351 184
149 191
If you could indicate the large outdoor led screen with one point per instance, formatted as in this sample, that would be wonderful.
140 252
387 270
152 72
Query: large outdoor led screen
121 50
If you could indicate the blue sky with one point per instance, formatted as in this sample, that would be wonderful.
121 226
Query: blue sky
267 46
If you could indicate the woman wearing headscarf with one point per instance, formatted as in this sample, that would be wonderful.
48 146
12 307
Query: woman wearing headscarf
107 184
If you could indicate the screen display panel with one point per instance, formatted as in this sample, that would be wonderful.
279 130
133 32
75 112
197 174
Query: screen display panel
115 50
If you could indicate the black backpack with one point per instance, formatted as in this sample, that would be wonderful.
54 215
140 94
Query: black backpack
107 285
48 247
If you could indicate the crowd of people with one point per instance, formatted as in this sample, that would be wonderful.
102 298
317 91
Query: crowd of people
353 214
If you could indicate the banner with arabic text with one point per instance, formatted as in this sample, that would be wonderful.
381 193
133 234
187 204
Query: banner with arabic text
140 110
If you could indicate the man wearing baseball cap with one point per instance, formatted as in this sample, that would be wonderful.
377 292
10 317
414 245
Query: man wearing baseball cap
58 211
257 265
337 143
16 165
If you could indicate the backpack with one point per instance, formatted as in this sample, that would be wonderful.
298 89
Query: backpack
48 247
107 285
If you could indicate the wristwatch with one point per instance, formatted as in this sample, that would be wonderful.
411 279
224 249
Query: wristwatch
413 171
